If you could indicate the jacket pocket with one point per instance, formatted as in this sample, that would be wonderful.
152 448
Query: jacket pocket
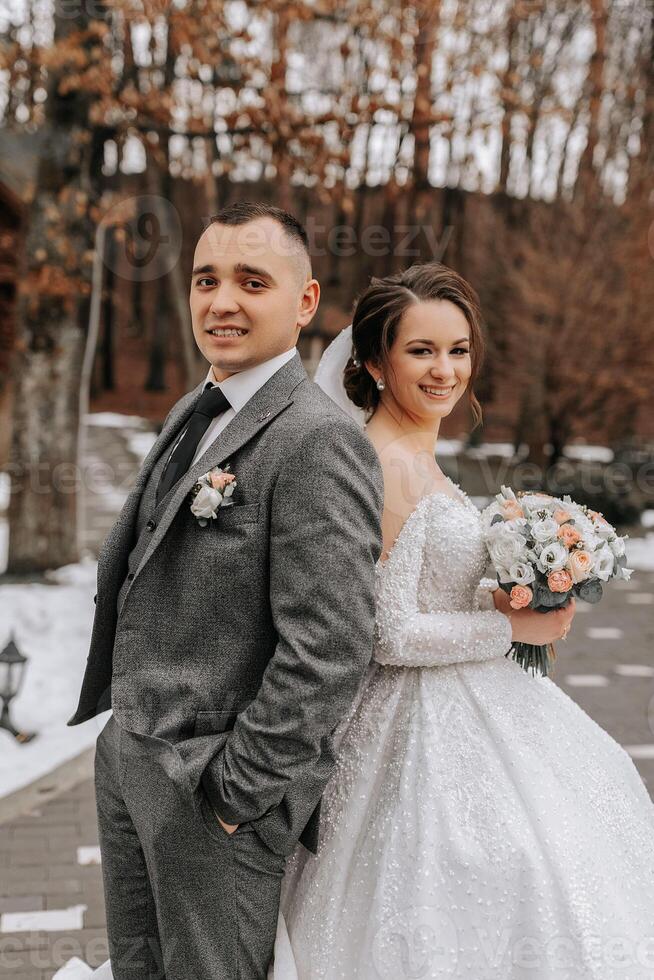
215 720
237 514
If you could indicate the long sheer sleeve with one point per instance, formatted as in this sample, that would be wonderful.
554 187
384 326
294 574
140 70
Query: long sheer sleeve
409 638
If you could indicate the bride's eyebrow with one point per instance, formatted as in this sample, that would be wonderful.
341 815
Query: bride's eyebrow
430 343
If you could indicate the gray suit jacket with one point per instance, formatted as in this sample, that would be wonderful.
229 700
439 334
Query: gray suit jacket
241 644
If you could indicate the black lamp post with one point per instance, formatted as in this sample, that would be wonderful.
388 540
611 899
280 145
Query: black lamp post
12 669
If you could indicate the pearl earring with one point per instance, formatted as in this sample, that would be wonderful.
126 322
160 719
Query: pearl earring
380 384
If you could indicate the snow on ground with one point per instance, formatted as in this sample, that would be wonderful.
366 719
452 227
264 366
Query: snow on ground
486 450
640 553
449 447
51 625
506 450
140 443
593 454
4 491
115 420
4 543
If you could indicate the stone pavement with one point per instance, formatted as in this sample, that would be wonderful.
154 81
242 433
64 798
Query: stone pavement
607 666
111 461
40 872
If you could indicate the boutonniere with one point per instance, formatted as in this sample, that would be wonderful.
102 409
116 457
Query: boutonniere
212 491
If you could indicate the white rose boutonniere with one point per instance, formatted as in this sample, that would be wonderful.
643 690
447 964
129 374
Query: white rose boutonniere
212 491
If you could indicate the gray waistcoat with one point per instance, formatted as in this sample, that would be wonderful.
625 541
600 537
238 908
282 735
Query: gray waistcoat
147 518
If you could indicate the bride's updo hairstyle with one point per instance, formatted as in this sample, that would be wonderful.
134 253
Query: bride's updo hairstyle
377 315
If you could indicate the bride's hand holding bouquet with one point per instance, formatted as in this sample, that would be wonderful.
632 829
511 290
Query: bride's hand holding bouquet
532 627
545 552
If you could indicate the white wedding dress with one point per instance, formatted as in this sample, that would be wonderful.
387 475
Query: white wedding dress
479 825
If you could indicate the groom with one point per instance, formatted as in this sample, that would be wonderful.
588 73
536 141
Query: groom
229 651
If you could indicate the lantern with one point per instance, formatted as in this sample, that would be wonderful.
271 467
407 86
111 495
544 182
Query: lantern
12 670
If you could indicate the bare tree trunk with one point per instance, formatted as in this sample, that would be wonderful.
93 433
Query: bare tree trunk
53 306
108 317
564 150
531 422
428 18
280 110
641 168
211 185
43 457
586 178
508 99
174 297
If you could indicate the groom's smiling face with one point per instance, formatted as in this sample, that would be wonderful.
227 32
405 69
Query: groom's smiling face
251 294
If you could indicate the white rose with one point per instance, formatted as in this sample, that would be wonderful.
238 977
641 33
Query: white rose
489 513
206 502
617 547
603 563
544 530
602 527
505 546
553 557
585 527
592 541
522 573
536 501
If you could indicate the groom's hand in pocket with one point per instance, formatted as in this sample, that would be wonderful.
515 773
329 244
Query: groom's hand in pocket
228 827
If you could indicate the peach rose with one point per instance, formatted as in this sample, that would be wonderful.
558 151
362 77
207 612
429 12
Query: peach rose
560 581
512 509
521 596
580 565
561 516
220 480
569 535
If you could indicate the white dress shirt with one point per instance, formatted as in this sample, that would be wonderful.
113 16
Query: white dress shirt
238 389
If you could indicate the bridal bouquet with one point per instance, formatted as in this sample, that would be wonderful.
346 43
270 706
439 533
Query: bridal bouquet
546 550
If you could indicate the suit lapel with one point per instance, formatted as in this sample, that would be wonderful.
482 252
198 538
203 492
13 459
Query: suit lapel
259 412
120 538
174 425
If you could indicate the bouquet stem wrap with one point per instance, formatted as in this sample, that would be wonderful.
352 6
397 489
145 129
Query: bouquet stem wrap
537 659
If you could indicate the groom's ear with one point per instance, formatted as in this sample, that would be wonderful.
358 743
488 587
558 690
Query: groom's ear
308 303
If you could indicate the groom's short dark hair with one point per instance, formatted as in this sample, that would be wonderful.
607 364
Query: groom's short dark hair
241 212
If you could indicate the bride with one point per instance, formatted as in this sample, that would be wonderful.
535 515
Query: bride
479 825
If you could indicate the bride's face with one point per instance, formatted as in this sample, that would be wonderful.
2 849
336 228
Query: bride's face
430 360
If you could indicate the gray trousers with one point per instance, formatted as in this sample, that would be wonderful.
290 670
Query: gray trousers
185 900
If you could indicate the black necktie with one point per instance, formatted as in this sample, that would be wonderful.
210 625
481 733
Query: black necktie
211 403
